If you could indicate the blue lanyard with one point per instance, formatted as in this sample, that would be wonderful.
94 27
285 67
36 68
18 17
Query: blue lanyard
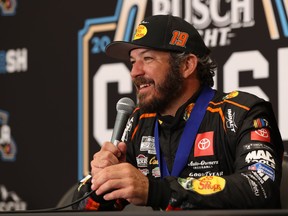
188 135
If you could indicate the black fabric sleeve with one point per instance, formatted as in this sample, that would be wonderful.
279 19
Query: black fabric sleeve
159 194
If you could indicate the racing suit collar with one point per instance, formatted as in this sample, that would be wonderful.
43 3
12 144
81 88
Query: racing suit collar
173 121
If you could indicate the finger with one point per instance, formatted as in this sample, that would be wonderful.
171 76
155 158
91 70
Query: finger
108 146
127 189
110 185
121 172
116 194
108 173
95 171
122 148
103 159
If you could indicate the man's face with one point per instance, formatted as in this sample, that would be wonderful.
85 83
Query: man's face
156 84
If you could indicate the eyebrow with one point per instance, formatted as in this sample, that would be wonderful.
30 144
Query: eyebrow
142 52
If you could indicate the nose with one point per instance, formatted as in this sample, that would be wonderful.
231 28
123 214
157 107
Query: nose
137 69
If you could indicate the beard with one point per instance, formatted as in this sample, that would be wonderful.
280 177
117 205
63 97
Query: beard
166 91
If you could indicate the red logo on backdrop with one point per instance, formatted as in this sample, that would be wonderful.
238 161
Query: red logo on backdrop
262 134
204 144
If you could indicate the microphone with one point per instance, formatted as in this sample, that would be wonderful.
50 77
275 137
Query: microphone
124 107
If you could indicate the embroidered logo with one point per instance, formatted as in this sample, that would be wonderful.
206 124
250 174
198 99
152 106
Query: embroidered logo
230 121
142 160
188 111
262 134
231 95
141 31
204 144
205 185
260 123
179 38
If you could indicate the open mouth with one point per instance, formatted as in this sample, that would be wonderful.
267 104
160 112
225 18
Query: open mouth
144 86
142 83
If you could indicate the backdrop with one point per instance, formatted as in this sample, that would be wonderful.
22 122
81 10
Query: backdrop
58 89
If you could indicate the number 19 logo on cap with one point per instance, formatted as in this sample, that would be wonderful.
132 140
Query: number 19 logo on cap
179 38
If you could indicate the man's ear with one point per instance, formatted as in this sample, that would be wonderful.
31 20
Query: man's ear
189 65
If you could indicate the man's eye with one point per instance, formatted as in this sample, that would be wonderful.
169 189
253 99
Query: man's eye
148 58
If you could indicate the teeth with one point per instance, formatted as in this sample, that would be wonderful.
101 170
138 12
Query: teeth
144 85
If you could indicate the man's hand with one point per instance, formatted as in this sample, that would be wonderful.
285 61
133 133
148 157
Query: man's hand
108 155
114 178
122 181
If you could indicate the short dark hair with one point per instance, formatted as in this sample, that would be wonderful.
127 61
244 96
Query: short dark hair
205 69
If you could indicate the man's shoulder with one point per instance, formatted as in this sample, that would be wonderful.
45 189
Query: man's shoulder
237 98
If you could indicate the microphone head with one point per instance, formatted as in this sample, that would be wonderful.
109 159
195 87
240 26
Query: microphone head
125 105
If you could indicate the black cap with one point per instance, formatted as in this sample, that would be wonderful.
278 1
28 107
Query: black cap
161 32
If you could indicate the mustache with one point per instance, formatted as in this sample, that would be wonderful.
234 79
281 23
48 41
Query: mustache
142 80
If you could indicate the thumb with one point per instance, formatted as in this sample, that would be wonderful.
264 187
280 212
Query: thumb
123 148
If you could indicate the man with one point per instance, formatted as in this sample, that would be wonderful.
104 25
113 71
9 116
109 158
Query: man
185 146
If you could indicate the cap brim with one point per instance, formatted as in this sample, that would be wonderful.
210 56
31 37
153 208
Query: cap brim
120 49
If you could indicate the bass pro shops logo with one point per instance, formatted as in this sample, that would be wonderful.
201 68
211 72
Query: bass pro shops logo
100 79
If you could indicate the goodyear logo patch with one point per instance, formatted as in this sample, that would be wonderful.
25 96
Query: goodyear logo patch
205 185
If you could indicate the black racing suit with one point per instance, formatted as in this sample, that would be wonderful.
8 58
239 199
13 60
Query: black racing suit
242 169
